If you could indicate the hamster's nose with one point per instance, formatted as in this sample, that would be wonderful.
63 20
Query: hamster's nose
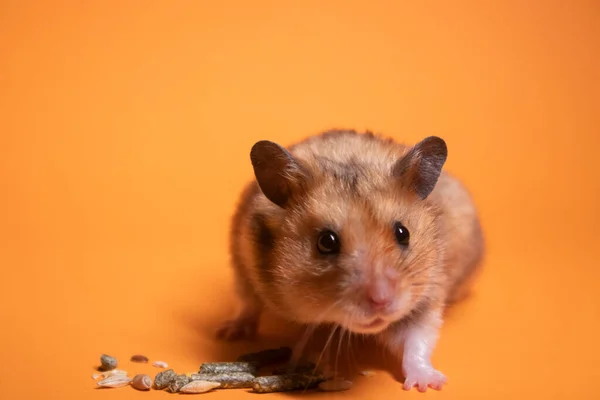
380 296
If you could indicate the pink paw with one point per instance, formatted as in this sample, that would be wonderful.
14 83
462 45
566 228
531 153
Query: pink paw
424 377
237 329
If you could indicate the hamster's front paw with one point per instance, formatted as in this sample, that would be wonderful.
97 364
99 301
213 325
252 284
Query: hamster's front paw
423 376
236 329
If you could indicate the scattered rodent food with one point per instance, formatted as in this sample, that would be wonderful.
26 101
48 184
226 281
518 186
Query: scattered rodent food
243 373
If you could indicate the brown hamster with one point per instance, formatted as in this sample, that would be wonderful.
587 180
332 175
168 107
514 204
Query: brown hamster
357 230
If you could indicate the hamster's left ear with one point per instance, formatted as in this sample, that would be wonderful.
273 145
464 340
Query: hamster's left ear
420 168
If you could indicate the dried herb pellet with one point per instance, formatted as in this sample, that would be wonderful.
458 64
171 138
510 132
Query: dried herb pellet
141 382
285 383
199 387
139 358
266 357
107 362
162 379
228 380
225 367
179 382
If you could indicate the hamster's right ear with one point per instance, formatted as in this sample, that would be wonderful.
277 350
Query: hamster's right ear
279 175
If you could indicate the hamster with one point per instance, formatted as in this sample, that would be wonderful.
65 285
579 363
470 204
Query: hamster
358 230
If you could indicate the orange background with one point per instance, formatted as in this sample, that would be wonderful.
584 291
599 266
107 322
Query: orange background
125 129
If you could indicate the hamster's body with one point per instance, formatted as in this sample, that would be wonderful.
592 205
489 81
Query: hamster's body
357 230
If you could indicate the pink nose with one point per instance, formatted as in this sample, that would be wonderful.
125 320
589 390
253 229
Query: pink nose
380 297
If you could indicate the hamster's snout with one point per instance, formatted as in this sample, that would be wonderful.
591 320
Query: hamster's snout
380 294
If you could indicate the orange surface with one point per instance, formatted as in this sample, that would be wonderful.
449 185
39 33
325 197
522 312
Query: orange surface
125 129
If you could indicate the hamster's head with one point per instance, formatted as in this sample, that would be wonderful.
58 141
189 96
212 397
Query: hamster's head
357 242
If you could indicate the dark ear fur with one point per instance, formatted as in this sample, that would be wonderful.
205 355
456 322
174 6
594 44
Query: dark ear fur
278 174
419 169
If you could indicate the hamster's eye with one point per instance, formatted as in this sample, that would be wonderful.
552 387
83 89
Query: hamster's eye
402 235
328 243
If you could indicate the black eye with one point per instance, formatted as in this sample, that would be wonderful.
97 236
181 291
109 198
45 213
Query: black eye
402 235
328 243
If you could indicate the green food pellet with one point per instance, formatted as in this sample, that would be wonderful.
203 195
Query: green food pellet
285 383
179 382
228 380
226 367
163 379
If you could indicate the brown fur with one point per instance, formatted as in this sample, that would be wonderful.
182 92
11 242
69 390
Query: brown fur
345 181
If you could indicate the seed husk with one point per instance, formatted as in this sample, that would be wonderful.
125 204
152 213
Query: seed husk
226 367
269 356
106 374
141 382
160 364
107 362
335 385
162 379
179 382
114 381
199 387
139 358
228 380
367 373
285 383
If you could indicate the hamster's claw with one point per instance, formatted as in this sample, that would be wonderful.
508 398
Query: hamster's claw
423 378
237 329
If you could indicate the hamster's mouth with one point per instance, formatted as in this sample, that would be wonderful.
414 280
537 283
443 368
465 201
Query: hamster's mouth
374 326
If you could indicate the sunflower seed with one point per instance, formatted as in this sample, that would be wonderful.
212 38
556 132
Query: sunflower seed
141 382
106 374
139 358
160 364
107 362
115 381
199 387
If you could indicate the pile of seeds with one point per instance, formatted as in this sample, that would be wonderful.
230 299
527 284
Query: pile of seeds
243 373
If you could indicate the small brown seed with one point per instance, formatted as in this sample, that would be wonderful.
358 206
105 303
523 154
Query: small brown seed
141 382
162 379
139 358
107 362
115 381
335 385
160 364
199 387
